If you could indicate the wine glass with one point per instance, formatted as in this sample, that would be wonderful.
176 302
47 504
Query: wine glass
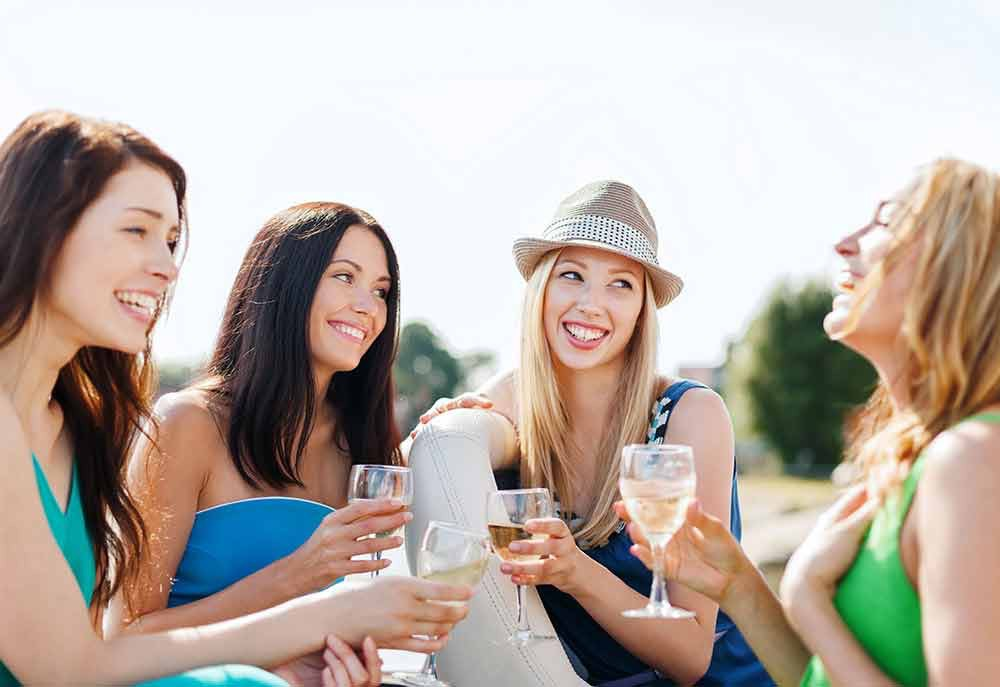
506 513
453 555
657 483
379 482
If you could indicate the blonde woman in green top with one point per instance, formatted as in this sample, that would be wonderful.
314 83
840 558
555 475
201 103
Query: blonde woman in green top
911 599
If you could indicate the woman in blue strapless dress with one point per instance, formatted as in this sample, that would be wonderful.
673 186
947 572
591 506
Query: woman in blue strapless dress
245 485
91 213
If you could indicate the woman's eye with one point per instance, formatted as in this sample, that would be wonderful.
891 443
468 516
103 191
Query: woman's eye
382 293
622 284
138 231
575 276
344 277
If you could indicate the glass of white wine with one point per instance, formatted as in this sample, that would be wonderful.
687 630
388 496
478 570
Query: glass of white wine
506 513
381 482
453 555
657 483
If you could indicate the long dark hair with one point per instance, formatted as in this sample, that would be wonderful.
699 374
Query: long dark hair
52 167
261 377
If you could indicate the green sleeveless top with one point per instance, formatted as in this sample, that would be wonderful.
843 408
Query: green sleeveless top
69 529
876 599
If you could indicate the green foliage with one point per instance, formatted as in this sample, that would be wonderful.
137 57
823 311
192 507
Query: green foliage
792 386
175 375
426 370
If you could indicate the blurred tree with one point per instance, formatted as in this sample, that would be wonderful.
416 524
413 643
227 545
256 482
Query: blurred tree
788 384
175 375
426 370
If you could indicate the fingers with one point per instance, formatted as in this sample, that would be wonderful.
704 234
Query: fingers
443 405
848 503
643 554
436 591
420 645
441 612
523 569
363 565
373 663
554 527
358 510
374 545
636 534
859 520
339 654
377 524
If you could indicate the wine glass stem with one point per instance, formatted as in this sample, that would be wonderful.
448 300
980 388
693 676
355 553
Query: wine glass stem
377 556
658 593
430 665
523 628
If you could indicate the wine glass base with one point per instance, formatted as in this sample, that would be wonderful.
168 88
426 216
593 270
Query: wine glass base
661 612
420 680
521 639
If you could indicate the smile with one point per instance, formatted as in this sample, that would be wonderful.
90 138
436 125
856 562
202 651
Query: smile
584 336
140 305
349 332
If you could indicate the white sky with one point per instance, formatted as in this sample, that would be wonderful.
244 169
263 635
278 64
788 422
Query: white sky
756 137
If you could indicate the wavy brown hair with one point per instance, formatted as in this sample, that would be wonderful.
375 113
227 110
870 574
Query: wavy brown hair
260 377
950 220
52 167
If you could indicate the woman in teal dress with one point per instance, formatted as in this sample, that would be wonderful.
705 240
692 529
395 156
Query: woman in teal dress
250 462
91 218
896 585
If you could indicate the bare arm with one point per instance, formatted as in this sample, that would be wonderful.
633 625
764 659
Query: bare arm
954 513
168 479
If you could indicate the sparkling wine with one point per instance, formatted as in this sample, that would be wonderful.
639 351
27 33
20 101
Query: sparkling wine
503 535
658 506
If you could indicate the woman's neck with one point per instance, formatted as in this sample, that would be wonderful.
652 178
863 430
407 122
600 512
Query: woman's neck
29 367
589 395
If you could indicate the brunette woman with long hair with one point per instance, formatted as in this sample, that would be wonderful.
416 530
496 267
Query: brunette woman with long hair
250 462
896 585
91 220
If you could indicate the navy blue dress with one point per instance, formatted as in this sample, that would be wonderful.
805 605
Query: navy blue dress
602 660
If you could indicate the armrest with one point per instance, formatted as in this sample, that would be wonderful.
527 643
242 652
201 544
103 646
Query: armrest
451 463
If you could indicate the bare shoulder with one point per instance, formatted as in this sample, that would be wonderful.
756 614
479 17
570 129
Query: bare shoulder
964 461
502 390
186 437
702 407
186 414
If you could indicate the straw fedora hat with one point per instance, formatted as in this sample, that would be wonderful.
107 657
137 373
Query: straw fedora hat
608 215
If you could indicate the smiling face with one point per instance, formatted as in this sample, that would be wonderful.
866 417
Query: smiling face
873 330
349 309
593 299
116 263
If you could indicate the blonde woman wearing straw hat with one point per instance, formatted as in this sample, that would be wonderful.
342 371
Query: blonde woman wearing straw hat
584 389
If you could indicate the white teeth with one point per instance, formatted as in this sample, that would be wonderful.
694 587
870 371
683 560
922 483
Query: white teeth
584 333
141 302
352 332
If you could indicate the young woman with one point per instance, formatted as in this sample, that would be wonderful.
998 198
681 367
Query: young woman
248 464
91 216
912 600
584 389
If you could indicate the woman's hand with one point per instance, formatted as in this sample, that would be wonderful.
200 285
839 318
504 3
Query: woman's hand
703 555
443 405
336 665
341 535
818 564
394 611
561 556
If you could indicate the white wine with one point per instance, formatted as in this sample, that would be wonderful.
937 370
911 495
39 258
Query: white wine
658 506
469 574
503 535
398 532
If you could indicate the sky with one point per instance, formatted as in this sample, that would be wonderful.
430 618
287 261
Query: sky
756 135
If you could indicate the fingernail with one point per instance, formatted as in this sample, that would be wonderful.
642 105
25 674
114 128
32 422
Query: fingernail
506 568
407 516
396 502
515 546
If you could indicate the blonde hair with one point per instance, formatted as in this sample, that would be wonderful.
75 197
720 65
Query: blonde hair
546 452
951 316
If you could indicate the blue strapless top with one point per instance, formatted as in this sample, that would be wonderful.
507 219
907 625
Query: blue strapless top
234 540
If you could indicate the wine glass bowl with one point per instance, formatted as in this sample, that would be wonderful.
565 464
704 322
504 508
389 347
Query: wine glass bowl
381 482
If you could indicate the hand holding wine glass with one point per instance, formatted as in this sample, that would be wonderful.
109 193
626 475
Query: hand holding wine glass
657 483
506 514
378 482
452 555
